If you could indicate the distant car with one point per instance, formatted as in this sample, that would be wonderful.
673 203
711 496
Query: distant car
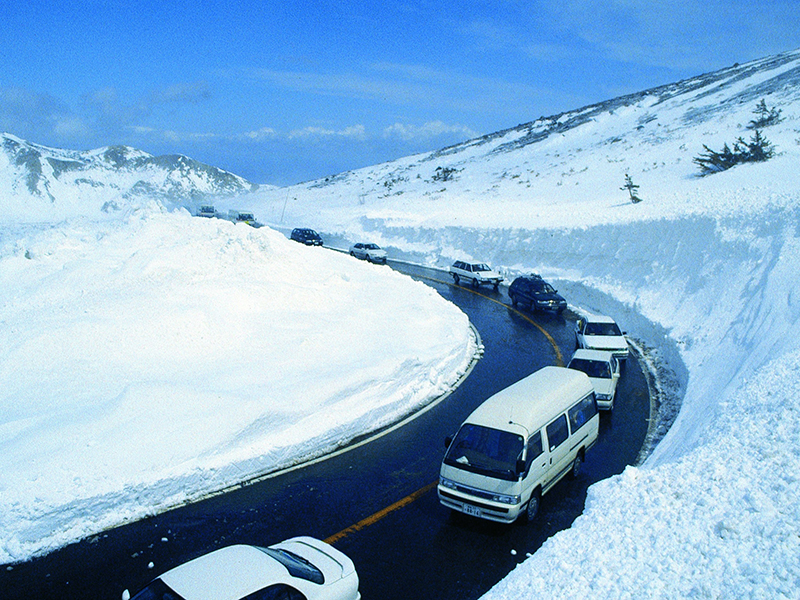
536 293
301 568
601 333
370 252
206 211
603 370
309 237
476 273
239 216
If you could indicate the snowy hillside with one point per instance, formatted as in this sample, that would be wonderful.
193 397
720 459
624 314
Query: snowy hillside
563 171
40 183
702 274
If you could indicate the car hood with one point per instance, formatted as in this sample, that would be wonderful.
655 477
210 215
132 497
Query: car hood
602 385
606 342
489 274
547 296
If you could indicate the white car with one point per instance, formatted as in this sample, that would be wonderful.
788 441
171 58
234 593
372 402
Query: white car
601 333
602 369
370 252
302 568
475 273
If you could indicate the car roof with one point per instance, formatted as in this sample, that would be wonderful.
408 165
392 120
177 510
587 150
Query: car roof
589 354
229 573
598 319
533 400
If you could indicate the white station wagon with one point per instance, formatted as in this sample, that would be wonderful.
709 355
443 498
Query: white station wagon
597 332
602 368
475 273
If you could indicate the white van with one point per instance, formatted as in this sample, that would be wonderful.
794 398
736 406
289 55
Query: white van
518 444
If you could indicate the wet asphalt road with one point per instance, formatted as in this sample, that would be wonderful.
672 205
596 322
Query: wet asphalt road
377 503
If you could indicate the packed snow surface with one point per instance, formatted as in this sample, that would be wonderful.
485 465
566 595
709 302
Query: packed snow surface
702 274
150 360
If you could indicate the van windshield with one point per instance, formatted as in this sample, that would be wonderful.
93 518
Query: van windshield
486 451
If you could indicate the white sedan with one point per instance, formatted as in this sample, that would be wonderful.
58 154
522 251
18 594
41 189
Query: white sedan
597 332
370 252
602 368
301 568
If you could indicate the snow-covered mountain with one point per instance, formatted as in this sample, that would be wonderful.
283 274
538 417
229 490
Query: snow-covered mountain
572 163
38 181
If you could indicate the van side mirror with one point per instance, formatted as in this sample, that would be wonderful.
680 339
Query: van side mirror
520 466
447 441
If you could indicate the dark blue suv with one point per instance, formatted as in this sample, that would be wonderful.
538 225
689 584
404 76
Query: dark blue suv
309 237
536 293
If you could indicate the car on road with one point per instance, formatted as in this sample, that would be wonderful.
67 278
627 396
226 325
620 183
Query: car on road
599 332
536 293
207 210
301 568
240 216
368 251
306 236
476 273
602 368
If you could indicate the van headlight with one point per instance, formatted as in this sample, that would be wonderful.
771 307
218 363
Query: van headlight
504 499
447 483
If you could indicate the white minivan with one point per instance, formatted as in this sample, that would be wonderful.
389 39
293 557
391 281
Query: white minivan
518 444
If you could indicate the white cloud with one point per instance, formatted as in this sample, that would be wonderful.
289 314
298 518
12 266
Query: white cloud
259 135
427 131
357 132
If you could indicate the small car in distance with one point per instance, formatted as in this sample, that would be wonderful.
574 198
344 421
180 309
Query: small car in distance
206 210
599 332
306 236
240 216
602 368
476 273
536 293
370 252
301 568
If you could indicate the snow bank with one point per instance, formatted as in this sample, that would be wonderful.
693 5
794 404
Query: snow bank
151 360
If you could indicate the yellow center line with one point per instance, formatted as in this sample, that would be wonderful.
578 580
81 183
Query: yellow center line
372 519
556 349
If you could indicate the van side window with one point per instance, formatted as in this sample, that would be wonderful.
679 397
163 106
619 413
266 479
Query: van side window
534 449
581 412
557 432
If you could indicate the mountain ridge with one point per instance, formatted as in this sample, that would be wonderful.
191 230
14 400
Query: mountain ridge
108 178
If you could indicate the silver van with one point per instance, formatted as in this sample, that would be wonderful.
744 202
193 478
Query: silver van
518 444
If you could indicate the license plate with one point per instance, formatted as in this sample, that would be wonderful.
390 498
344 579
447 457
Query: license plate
471 510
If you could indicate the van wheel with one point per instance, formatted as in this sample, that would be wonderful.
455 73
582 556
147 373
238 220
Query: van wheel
455 278
533 507
576 467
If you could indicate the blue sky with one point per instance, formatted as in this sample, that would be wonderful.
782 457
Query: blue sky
283 92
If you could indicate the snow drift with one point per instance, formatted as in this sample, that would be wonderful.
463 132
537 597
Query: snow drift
151 360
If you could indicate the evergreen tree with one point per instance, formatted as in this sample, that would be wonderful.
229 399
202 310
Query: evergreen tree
765 116
758 149
632 189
